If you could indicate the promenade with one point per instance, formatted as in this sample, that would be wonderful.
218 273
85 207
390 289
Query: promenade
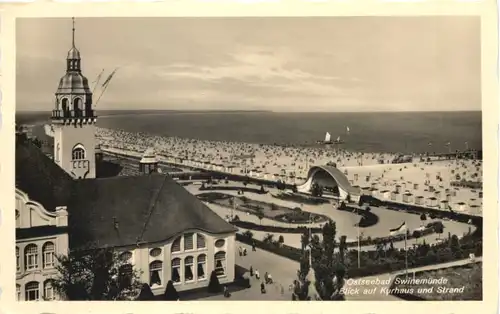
284 271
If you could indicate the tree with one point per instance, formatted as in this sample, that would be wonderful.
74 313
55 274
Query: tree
96 274
146 294
268 238
439 229
416 234
281 240
214 285
342 248
423 218
248 234
170 292
260 215
327 274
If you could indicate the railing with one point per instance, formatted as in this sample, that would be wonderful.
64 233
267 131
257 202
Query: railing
70 114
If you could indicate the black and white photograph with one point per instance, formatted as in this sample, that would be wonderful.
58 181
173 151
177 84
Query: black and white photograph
249 158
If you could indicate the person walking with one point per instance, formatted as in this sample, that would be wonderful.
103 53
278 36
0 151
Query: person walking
257 275
262 288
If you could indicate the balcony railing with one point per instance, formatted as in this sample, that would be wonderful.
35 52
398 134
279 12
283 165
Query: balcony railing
72 114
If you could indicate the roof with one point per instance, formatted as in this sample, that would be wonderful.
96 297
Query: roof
149 208
40 178
338 176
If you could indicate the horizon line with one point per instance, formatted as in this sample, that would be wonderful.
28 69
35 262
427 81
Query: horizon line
263 110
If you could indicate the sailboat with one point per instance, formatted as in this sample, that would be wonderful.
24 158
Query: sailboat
327 140
338 141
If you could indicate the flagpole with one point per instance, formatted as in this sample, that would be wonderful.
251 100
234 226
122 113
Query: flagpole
406 254
359 246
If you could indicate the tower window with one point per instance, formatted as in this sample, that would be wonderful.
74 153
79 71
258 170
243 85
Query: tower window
64 105
78 152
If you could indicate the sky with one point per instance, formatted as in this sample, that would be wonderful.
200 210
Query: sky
297 64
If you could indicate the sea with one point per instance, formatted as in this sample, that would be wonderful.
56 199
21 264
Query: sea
402 132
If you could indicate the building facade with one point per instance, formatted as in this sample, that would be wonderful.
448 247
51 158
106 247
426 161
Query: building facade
40 237
187 260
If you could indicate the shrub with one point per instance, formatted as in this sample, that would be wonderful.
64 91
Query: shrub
248 234
214 285
281 239
170 292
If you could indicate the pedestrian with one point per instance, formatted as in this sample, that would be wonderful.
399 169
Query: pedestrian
257 275
253 246
245 251
262 288
266 278
251 271
226 292
270 279
240 250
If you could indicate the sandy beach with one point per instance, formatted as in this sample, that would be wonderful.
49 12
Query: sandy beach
421 182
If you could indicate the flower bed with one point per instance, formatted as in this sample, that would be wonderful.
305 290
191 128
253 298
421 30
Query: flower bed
263 209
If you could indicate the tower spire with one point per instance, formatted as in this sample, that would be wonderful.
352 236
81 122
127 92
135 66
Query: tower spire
73 37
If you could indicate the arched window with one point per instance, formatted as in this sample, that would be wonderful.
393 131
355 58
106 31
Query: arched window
220 263
176 245
78 152
125 274
126 256
200 241
202 266
64 105
176 270
189 268
188 241
155 273
18 262
31 256
32 291
48 290
48 256
77 105
58 151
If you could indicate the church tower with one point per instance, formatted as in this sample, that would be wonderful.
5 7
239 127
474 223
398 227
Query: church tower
74 120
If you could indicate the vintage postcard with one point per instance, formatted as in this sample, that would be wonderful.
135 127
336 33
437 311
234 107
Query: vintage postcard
217 152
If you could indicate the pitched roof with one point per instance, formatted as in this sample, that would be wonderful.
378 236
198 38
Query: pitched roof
149 208
39 177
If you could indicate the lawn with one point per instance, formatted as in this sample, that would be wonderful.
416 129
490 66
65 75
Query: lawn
459 283
268 210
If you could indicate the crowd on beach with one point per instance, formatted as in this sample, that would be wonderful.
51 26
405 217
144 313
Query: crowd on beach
426 182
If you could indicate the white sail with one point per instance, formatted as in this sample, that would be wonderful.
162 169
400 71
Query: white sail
338 139
348 130
327 137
